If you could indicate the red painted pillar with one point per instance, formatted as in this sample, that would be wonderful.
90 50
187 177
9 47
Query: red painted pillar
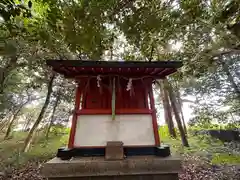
74 119
146 96
154 116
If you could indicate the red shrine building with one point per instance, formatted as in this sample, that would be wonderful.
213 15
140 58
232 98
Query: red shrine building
114 102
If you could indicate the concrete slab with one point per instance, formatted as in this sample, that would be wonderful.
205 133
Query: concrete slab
127 177
98 167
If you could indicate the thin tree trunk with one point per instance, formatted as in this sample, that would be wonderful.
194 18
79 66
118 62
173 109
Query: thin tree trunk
180 110
9 129
52 115
2 79
4 123
230 78
172 98
167 110
27 124
183 120
4 72
39 119
13 118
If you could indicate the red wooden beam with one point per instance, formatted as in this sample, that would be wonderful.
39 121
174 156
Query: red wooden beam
154 117
85 88
146 96
166 72
125 75
75 69
109 111
130 146
156 71
148 70
74 119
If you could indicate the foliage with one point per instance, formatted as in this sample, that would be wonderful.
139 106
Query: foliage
163 132
40 150
207 34
204 126
148 31
204 146
8 9
195 165
209 48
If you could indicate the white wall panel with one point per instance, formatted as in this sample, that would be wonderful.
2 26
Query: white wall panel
96 130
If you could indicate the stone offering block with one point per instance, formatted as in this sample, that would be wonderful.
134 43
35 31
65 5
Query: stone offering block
114 150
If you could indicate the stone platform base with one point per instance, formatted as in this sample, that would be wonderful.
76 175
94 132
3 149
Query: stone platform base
133 177
97 168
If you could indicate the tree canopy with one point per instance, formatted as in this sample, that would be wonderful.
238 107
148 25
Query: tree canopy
203 34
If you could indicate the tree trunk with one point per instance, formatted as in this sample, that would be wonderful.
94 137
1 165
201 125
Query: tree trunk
12 120
183 120
2 79
39 119
180 110
230 78
27 124
4 123
167 110
4 72
52 115
172 98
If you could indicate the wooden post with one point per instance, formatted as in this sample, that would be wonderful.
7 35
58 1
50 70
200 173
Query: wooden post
154 116
74 119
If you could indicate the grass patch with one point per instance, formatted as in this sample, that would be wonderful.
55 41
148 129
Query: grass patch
203 146
225 158
40 150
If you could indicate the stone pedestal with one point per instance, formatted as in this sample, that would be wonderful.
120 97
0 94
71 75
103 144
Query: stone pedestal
97 168
114 150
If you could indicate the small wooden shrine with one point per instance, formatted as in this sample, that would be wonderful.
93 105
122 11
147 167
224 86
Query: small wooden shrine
114 104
